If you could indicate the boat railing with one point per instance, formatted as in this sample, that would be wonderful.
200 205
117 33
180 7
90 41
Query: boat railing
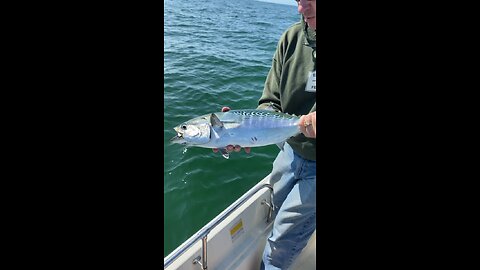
203 233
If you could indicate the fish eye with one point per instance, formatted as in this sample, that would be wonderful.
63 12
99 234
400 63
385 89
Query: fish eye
184 127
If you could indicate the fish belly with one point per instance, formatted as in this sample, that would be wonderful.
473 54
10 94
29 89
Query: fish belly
248 137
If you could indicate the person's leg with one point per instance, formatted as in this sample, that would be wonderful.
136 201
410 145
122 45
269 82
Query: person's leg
282 177
296 218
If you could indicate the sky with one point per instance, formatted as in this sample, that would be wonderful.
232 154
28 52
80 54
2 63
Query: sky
284 2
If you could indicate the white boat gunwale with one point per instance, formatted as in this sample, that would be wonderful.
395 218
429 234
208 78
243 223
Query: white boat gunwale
203 233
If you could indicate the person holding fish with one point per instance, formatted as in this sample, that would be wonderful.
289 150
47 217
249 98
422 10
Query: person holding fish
290 87
286 116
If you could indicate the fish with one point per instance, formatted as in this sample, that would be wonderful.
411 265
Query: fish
246 128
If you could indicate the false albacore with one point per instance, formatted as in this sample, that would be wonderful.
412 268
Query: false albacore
247 128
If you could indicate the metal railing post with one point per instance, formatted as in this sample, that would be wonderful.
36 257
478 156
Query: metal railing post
204 252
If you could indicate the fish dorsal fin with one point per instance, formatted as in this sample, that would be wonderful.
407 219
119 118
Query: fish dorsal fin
215 121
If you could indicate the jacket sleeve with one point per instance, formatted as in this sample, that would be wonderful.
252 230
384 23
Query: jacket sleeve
270 98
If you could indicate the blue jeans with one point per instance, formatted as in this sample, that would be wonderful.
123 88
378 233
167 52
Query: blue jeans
294 196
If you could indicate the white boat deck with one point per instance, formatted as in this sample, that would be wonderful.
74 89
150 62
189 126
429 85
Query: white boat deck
237 241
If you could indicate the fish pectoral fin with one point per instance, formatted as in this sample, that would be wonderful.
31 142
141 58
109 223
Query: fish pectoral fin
280 145
215 121
224 152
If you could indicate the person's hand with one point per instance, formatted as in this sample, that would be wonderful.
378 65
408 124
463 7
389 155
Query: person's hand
308 125
231 148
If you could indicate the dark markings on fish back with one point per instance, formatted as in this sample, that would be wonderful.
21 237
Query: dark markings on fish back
264 113
264 118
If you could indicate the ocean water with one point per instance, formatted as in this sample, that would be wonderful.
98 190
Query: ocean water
217 53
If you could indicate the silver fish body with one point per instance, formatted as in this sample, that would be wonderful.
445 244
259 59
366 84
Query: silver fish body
247 128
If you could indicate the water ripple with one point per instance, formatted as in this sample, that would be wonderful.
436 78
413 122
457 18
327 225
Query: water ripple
217 53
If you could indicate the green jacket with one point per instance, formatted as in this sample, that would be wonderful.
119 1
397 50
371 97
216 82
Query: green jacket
285 85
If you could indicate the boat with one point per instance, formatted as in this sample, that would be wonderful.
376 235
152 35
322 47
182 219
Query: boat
235 238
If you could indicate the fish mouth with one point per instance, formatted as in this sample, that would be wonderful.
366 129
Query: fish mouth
178 137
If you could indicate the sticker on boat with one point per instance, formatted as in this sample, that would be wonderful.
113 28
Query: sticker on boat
236 230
